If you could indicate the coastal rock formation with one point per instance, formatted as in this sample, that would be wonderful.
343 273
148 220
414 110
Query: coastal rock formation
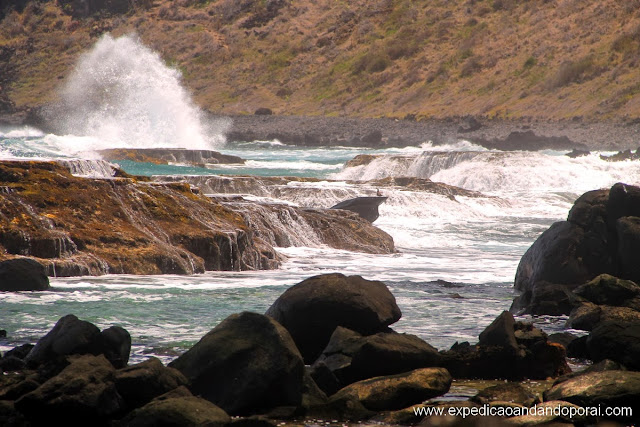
23 274
170 155
509 350
398 391
528 140
71 335
183 411
351 357
312 309
85 389
618 341
601 235
246 364
608 389
85 226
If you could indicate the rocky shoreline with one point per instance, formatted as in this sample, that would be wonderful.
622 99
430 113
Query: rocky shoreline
250 369
519 134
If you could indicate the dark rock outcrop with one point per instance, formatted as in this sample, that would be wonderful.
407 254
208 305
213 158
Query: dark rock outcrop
528 140
507 350
23 274
607 389
366 207
398 391
312 309
617 341
247 363
139 384
351 357
83 392
187 411
86 8
601 235
71 335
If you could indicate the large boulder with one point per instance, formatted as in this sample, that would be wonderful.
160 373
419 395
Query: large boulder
601 235
23 274
605 389
617 341
587 315
545 298
398 391
139 384
84 392
315 307
187 411
247 363
351 357
609 290
71 335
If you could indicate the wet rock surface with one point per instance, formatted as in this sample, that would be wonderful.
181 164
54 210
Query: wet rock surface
170 155
23 274
312 309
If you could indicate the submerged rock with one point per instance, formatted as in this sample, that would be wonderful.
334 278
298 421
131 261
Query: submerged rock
246 364
22 274
312 309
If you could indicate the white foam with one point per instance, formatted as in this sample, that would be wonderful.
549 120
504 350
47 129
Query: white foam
121 94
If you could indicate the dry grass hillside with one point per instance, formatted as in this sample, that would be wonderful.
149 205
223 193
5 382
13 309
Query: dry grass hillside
552 59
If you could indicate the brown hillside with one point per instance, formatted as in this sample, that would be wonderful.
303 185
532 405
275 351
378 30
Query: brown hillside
550 59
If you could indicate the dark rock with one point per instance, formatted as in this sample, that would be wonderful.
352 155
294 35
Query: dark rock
562 254
86 8
84 390
500 333
507 392
617 341
20 352
247 363
575 153
312 309
562 338
624 200
590 210
12 387
116 345
372 138
545 298
70 335
263 111
606 389
3 333
139 384
578 348
187 411
587 315
621 156
398 391
608 290
342 408
366 207
351 357
508 350
628 232
9 415
12 363
23 274
469 124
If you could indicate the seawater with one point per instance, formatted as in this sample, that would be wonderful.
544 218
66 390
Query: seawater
452 275
457 256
